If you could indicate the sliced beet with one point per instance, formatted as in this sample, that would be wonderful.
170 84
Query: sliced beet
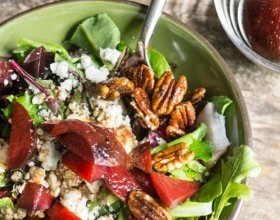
83 168
60 212
141 157
6 82
35 197
37 61
122 181
173 191
22 140
90 142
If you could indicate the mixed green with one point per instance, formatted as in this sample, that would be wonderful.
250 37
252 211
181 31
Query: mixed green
84 136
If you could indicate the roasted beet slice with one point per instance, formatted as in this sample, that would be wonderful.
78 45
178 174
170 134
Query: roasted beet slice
90 142
141 157
173 191
35 197
122 181
22 140
36 62
83 168
6 82
60 212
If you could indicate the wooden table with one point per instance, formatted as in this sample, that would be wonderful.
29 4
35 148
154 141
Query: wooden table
261 90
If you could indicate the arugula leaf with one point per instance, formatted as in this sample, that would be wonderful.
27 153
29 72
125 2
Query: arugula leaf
191 209
221 103
236 168
25 101
193 171
210 190
26 45
6 202
96 32
196 135
158 62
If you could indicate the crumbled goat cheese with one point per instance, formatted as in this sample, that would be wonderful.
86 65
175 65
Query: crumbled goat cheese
37 175
106 217
86 61
80 112
54 184
49 156
96 75
61 93
6 82
33 89
109 113
60 69
67 85
14 76
94 187
3 151
38 99
16 176
216 131
76 203
109 54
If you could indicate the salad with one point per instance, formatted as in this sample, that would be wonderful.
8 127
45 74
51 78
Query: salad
85 135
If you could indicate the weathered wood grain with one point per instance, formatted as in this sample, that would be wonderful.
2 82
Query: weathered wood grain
261 90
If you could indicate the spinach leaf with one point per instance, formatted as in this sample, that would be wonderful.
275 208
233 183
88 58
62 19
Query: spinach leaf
221 103
25 101
191 209
202 150
96 32
196 135
193 171
158 62
237 167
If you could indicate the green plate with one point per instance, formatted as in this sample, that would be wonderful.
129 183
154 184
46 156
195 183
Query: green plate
193 55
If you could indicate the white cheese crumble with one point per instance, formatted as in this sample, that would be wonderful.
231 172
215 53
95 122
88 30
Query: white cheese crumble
14 76
216 131
60 69
67 85
96 75
109 113
49 156
16 176
6 82
37 175
86 61
76 203
61 93
80 112
38 99
109 54
3 155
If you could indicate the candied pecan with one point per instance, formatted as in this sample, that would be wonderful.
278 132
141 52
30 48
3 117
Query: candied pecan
113 88
172 158
144 207
142 105
182 117
142 76
168 93
197 95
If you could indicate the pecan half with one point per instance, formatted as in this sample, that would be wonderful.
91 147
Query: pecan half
182 117
197 95
142 105
168 93
142 76
114 88
172 158
144 207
